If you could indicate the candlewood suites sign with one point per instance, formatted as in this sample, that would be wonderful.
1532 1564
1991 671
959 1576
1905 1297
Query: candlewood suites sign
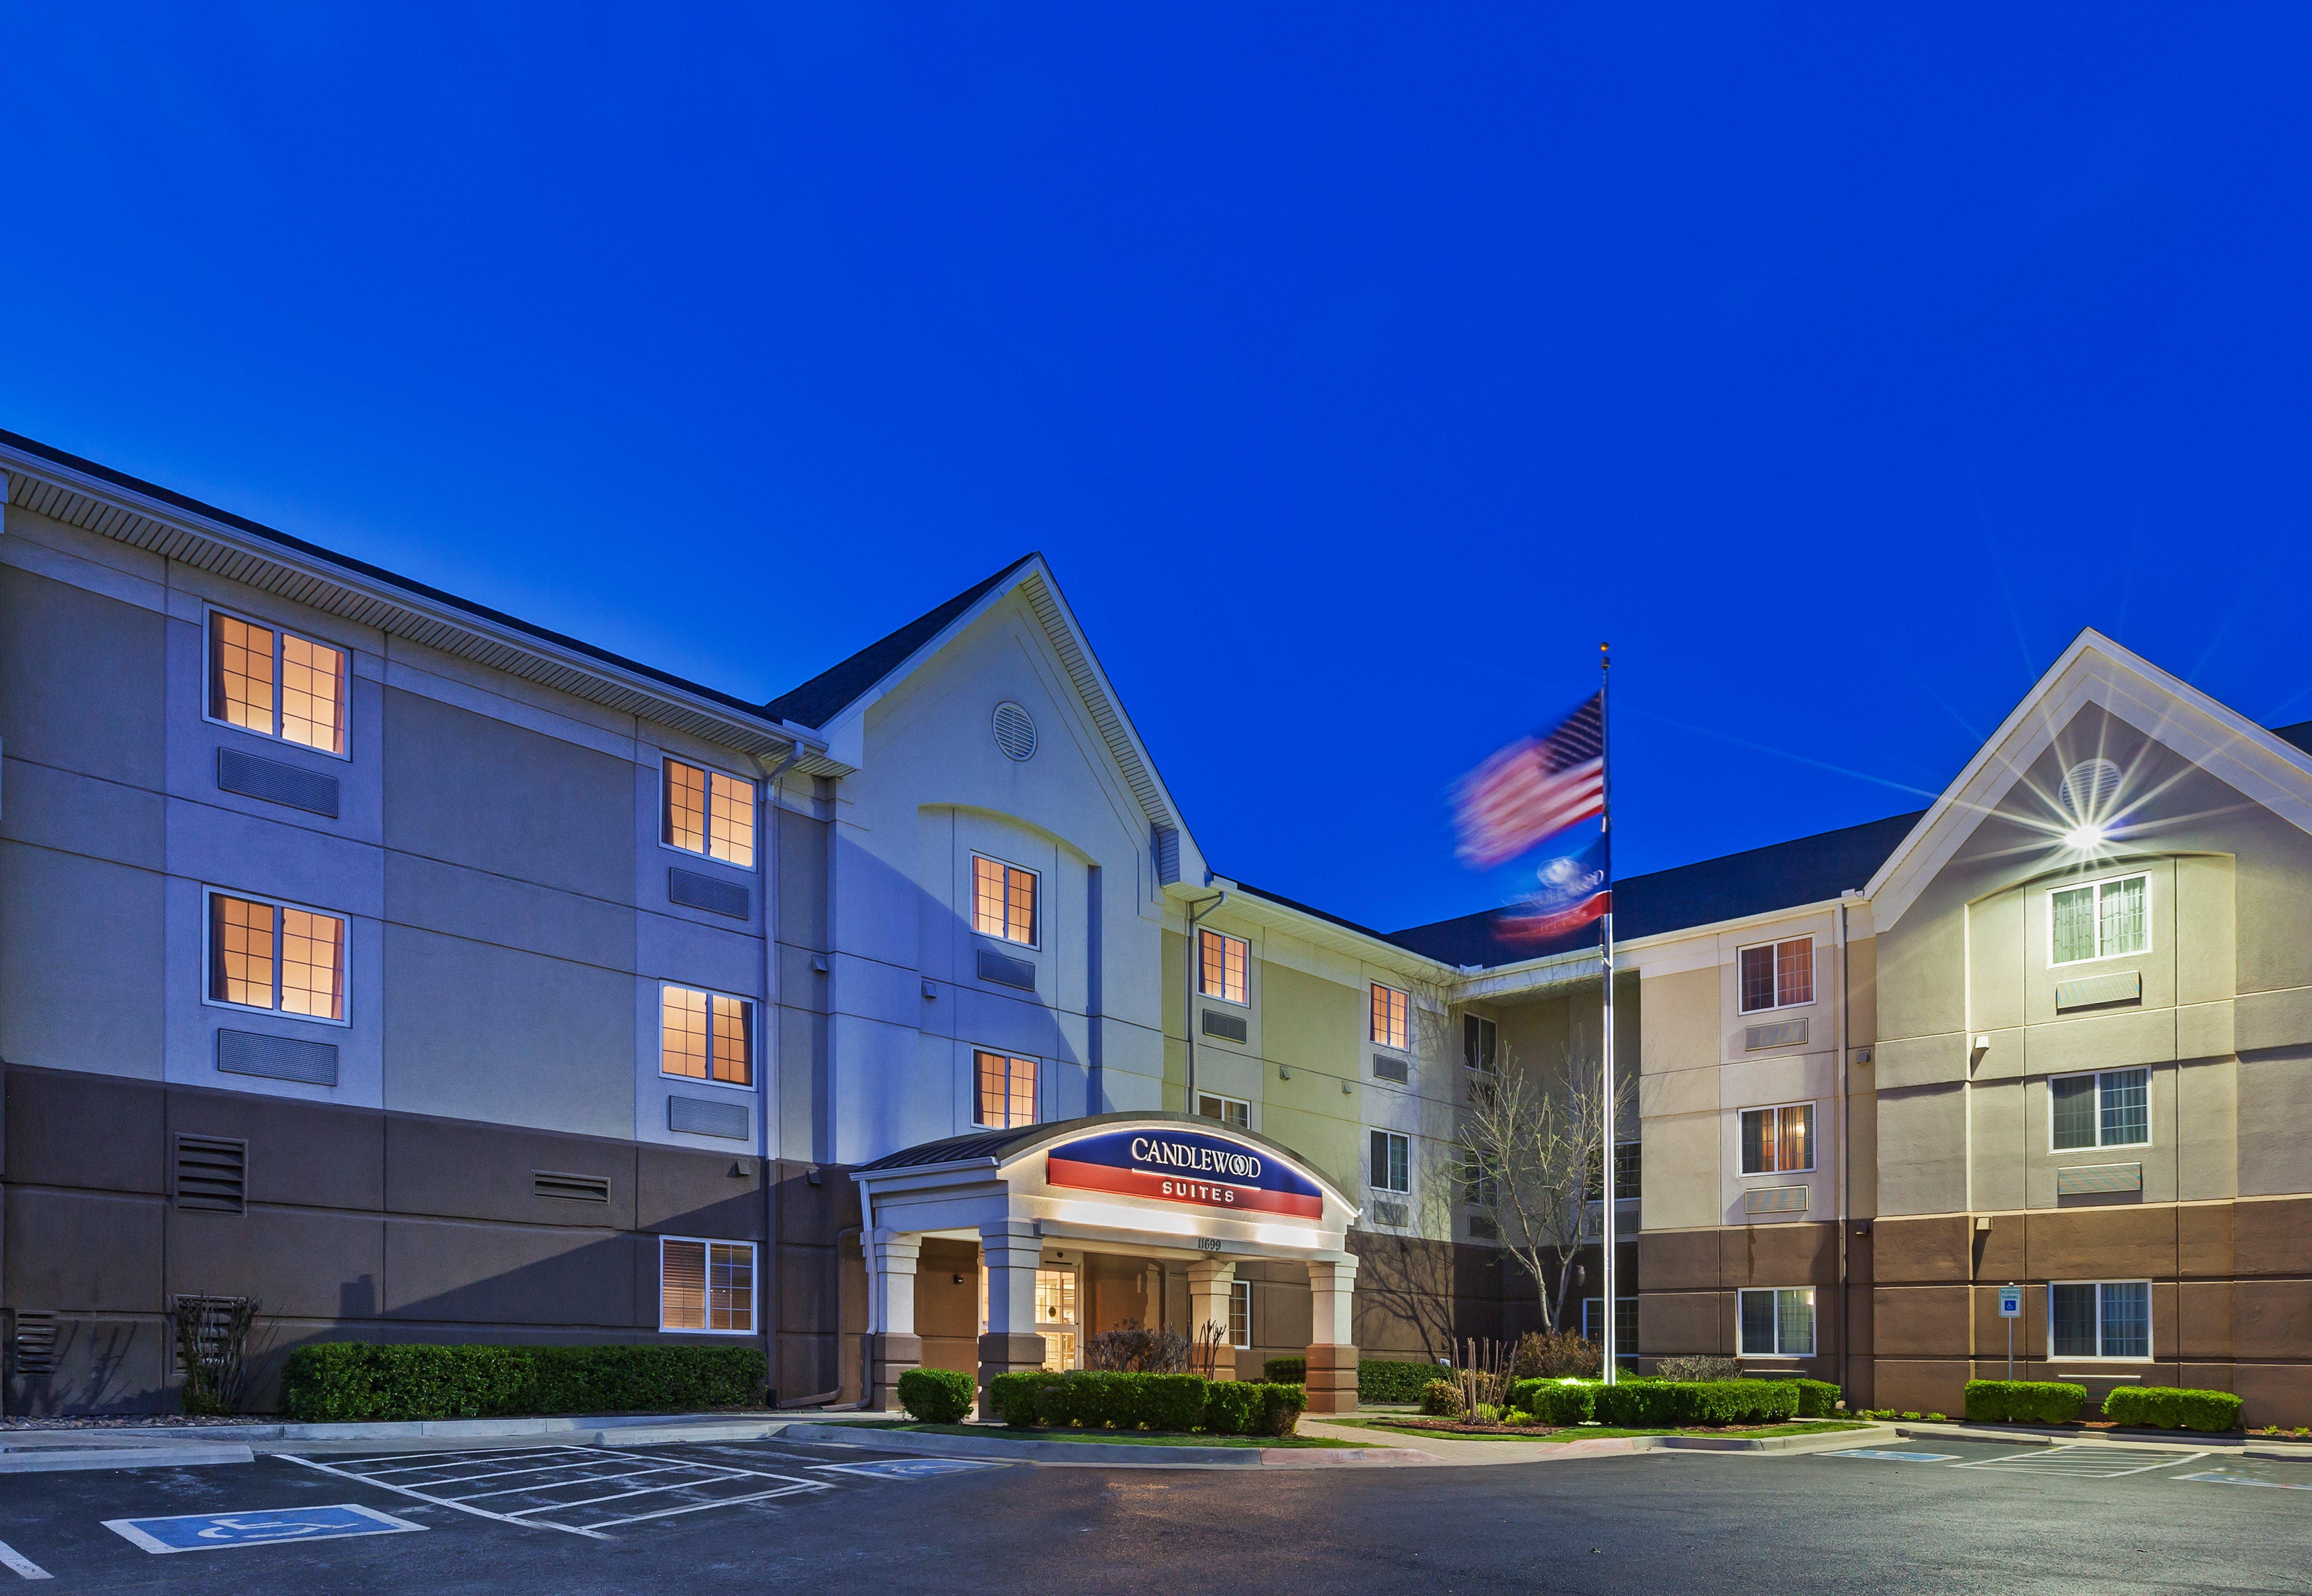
1185 1166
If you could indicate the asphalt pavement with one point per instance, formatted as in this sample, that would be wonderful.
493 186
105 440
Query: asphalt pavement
1950 1517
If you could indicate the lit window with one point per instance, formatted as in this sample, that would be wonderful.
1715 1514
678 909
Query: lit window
1480 1044
706 1285
1239 1313
706 1036
1778 1141
1228 1110
1777 974
277 683
1007 1089
2110 1108
2099 1319
1221 971
1392 1162
1390 1011
709 813
276 956
1777 1323
1625 1325
1003 901
2102 921
1056 1317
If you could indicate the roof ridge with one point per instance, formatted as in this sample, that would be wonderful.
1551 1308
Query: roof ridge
819 700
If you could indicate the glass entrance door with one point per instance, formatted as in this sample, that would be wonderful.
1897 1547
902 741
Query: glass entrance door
1055 1315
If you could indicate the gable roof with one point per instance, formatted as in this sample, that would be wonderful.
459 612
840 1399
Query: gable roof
838 687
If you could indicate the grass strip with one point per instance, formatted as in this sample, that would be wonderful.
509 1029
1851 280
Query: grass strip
1110 1437
1594 1432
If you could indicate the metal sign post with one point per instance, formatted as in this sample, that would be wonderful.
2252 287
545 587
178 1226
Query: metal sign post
2011 1309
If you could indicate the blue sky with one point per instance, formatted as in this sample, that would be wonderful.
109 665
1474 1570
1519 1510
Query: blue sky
1358 369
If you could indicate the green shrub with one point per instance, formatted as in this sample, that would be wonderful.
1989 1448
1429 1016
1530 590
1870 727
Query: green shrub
1013 1396
1099 1399
2023 1402
345 1382
1169 1401
2173 1407
937 1396
1651 1404
1394 1380
1817 1399
1285 1370
1233 1406
1441 1399
1281 1404
1555 1402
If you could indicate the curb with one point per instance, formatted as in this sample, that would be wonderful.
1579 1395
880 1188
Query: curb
1095 1451
66 1458
574 1428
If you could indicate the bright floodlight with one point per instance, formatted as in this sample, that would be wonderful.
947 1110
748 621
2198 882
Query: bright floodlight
2085 837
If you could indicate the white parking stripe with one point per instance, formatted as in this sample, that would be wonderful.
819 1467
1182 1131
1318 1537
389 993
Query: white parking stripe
2084 1462
18 1563
437 1501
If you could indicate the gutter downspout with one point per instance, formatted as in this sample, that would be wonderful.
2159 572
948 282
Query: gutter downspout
1188 953
1846 1155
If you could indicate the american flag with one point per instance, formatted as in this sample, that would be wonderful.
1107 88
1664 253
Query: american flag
1534 788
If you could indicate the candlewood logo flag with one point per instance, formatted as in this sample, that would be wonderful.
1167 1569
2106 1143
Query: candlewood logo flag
1534 789
1573 892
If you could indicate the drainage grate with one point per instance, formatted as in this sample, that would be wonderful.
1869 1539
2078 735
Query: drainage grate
212 1175
575 1188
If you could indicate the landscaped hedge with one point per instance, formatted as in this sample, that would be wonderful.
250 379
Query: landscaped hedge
1096 1399
2024 1401
1253 1407
1379 1380
937 1396
1651 1404
340 1381
1013 1396
1557 1401
1817 1399
2172 1408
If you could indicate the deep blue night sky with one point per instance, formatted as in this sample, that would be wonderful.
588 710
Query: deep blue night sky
1357 368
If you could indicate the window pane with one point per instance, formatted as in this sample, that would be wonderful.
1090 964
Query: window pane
2127 1320
1758 1322
1020 905
730 823
2123 917
2071 1322
1758 978
1235 985
1221 971
686 806
1240 1114
312 964
240 673
1480 1043
1794 971
1379 1162
1797 1140
313 694
2074 931
682 1285
1400 1164
1240 1313
1388 1016
733 1040
1023 1092
992 1087
682 1033
1757 1141
1629 1170
730 1287
1794 1330
240 951
2126 1112
986 897
2071 1103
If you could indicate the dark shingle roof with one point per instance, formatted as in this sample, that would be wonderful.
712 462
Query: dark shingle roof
2299 735
828 694
979 1144
1781 875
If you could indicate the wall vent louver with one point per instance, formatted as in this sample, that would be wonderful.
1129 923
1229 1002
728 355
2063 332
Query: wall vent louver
694 891
1385 1068
701 1118
276 1058
1166 842
212 1175
1774 1199
1481 1229
1015 731
571 1188
275 782
2084 1179
1229 1028
1005 970
2088 787
36 1343
1780 1033
2089 992
1390 1214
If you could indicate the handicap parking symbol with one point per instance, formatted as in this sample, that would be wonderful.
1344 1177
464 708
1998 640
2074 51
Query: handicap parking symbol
906 1467
209 1531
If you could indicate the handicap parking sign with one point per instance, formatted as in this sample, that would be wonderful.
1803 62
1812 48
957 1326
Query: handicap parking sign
2010 1301
209 1531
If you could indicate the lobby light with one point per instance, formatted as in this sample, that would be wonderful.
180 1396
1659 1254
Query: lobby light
2085 837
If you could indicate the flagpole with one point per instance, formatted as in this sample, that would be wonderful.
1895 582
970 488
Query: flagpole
1606 942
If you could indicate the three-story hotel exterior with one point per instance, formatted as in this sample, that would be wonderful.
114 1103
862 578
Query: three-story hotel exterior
431 976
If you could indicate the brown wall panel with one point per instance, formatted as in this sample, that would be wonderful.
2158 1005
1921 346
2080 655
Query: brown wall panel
679 1192
317 1155
463 1170
2271 1319
99 1132
1778 1255
2271 1236
1922 1385
2103 1244
2204 1240
1923 1250
1678 1260
2203 1319
1920 1321
83 1252
2273 1393
1683 1322
339 1260
517 1275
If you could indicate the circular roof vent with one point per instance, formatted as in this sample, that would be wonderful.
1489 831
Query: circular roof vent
2088 786
1015 731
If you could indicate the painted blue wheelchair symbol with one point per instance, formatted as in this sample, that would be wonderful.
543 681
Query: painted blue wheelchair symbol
208 1531
906 1467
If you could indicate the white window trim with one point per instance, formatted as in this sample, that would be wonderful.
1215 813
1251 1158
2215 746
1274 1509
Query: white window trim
2150 1340
1224 1099
1814 950
1375 1130
754 1274
754 1040
971 890
2098 883
2099 1145
1813 1128
1745 1352
1203 932
345 946
667 754
1472 1068
1405 1047
1007 1055
208 632
1245 1288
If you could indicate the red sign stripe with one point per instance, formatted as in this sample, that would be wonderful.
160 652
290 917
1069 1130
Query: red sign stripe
1180 1188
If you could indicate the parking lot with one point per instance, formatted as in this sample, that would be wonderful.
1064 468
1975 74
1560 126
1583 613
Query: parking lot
1910 1516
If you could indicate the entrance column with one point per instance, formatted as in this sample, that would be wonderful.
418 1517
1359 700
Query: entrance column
1210 1282
893 1347
1332 1378
1009 1250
